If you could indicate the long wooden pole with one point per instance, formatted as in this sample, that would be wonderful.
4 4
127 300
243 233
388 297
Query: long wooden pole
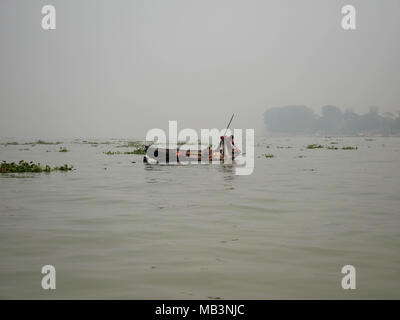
229 124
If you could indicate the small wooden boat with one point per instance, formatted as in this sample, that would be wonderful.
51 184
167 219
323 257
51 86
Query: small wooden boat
170 154
225 152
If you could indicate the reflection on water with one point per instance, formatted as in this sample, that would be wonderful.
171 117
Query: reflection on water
117 229
228 174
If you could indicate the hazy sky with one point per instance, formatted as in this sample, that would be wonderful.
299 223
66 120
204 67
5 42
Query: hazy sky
118 68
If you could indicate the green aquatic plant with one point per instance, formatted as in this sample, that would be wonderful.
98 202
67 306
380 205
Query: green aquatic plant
65 167
349 148
314 146
140 150
137 151
135 144
33 143
44 142
332 147
110 153
269 155
63 149
24 166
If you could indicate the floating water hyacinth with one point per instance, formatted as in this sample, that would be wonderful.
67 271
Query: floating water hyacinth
65 167
24 166
33 143
134 144
332 147
141 150
314 146
349 148
44 142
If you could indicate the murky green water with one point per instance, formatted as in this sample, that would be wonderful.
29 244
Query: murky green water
194 232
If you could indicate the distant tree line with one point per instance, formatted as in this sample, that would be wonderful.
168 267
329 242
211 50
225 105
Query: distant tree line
295 120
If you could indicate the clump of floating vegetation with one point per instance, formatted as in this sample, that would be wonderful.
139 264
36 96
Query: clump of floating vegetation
24 166
134 144
332 147
314 146
41 142
349 148
269 155
95 143
140 150
334 142
111 153
369 139
63 149
44 142
33 143
65 167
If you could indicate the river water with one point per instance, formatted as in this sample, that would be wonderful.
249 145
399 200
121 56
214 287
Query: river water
114 229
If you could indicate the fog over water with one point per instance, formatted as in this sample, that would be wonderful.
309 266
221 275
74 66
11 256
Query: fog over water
119 68
297 120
